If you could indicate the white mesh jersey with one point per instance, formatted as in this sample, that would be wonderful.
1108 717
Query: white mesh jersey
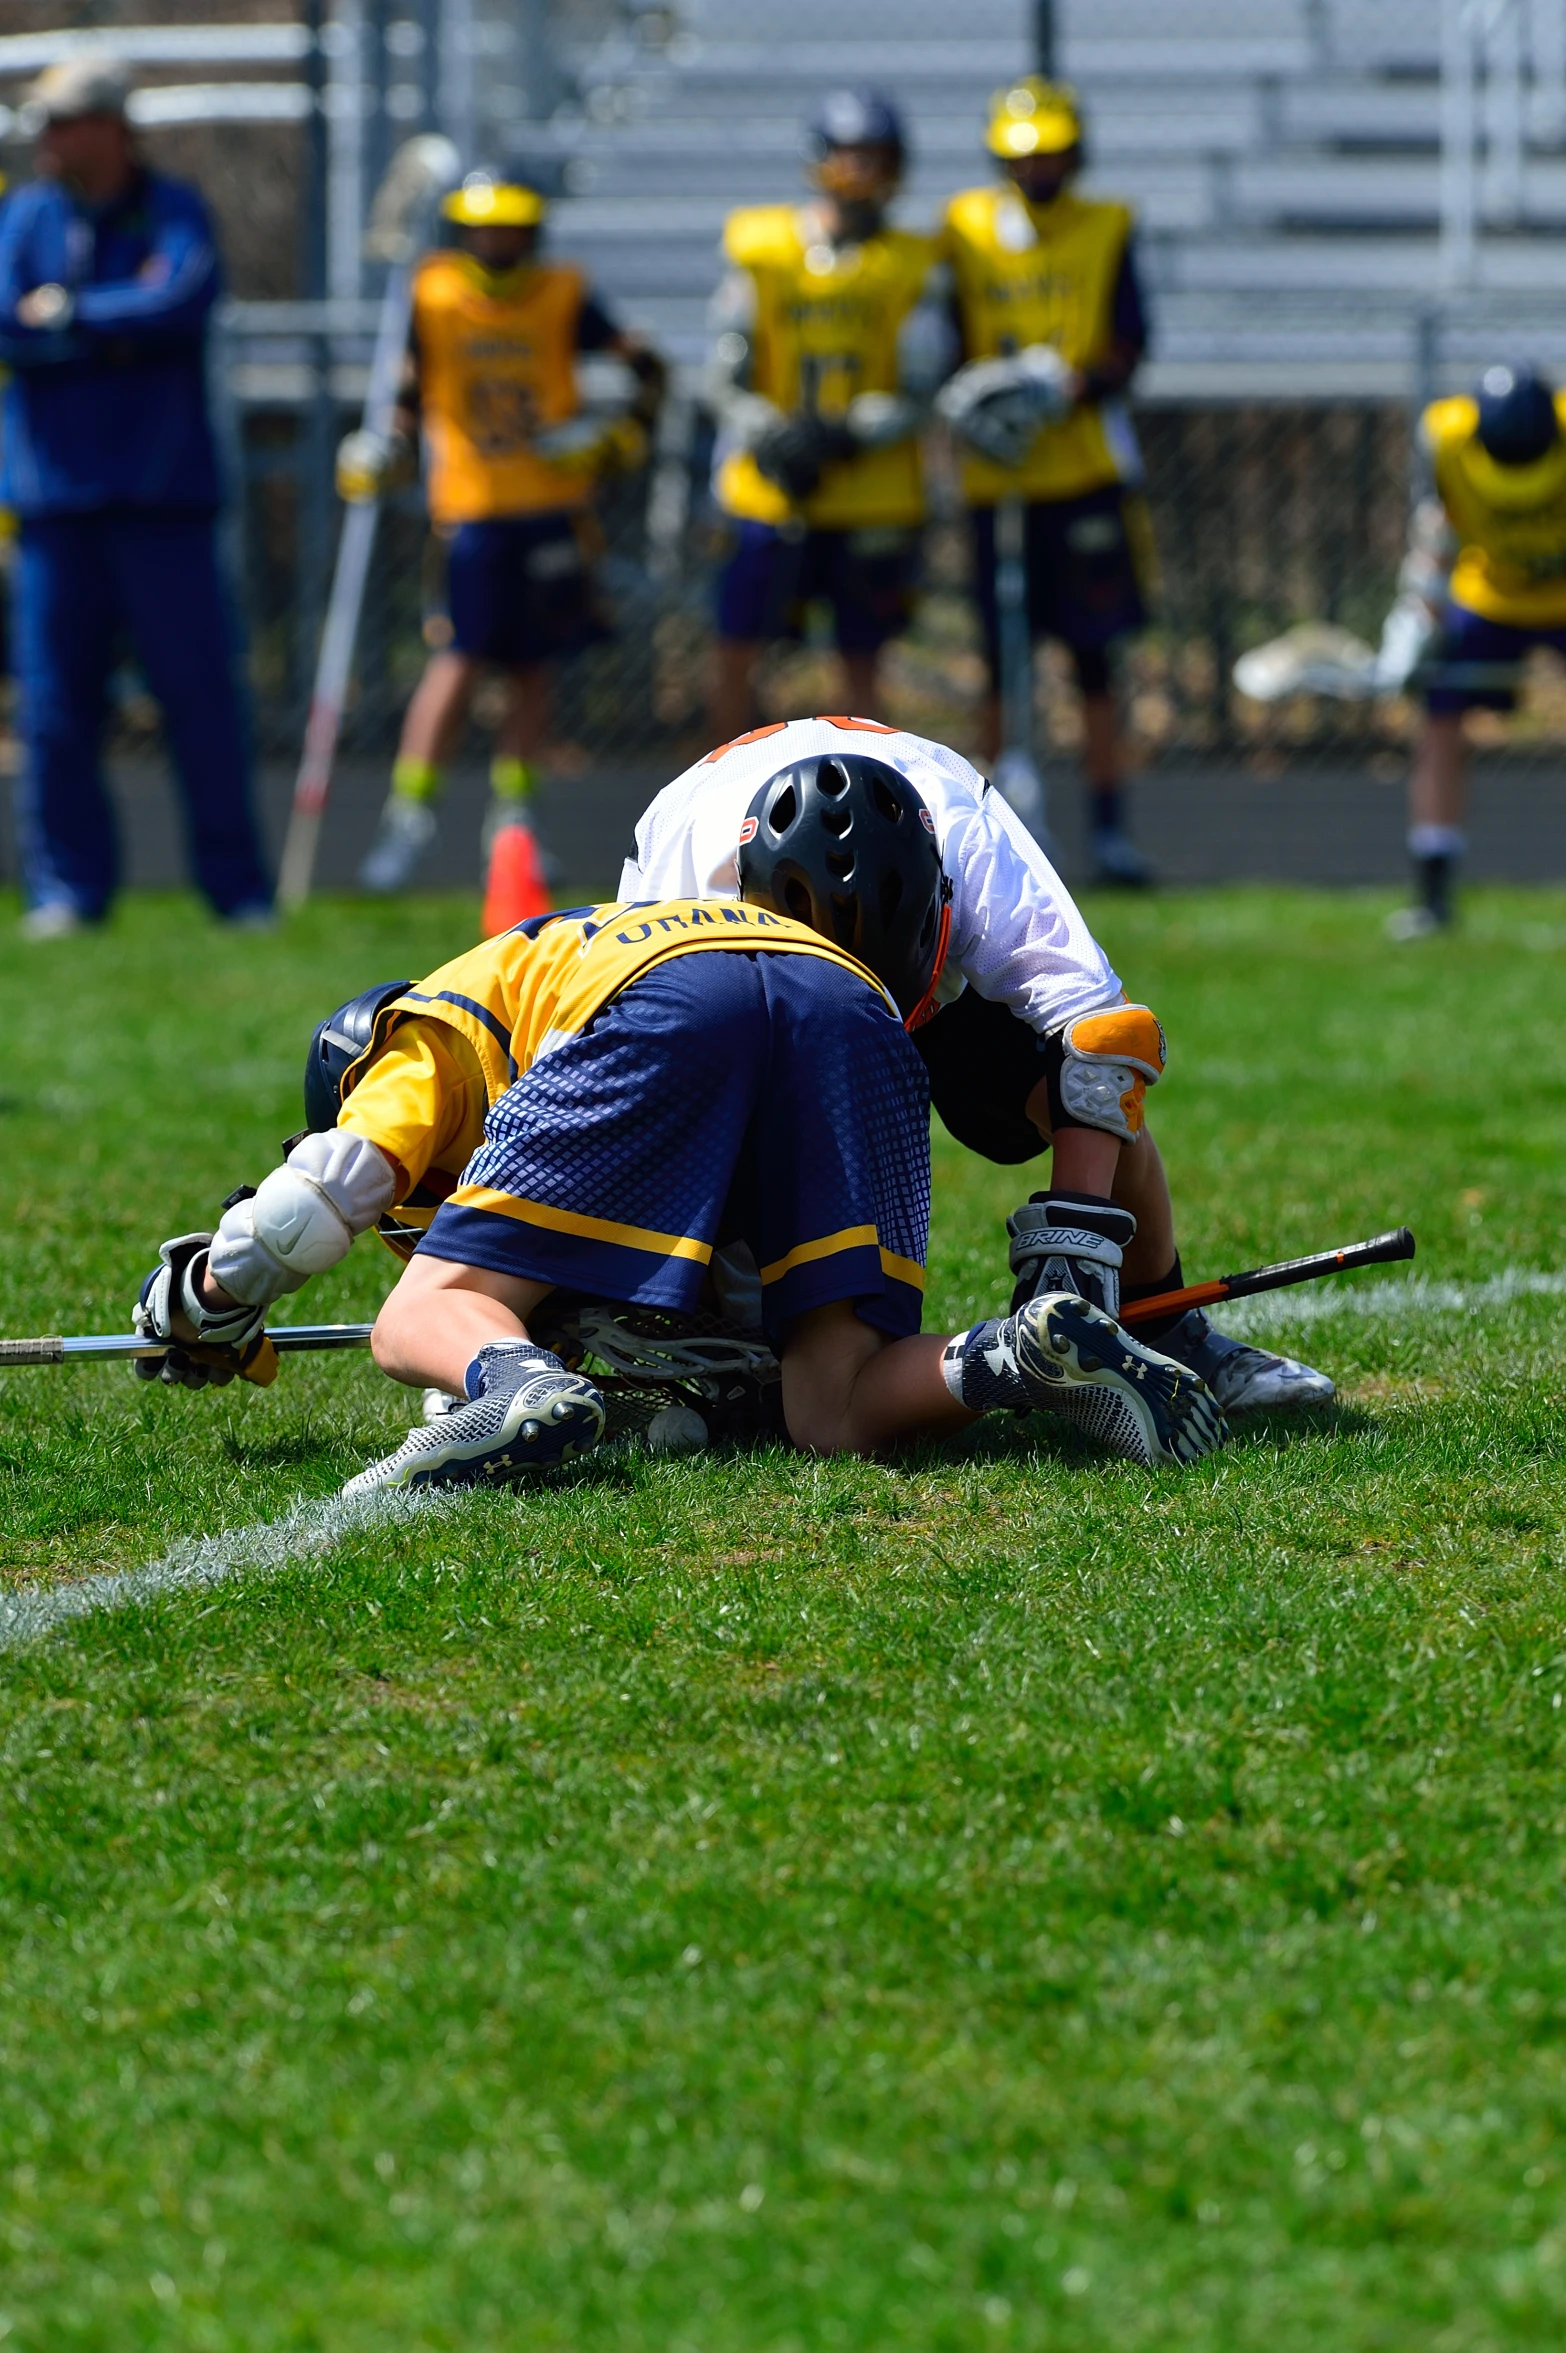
1018 936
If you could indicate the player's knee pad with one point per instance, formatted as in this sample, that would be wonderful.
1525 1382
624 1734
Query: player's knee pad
1100 1066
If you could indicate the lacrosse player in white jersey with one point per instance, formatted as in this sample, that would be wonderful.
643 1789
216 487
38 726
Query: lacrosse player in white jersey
1029 1040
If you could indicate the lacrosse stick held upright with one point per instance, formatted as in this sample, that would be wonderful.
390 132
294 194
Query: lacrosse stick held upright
420 172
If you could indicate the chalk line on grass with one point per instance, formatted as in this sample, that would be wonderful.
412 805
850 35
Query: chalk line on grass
308 1530
1390 1301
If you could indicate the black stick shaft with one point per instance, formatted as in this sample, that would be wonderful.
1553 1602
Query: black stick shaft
1381 1250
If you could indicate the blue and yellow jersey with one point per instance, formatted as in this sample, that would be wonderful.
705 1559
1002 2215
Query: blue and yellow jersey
1046 273
1510 521
497 354
444 1051
825 329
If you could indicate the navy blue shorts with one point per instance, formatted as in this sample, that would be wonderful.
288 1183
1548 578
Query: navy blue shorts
1469 639
519 590
726 1094
1087 560
867 577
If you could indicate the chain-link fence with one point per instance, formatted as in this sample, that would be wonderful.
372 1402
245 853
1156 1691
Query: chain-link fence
1286 160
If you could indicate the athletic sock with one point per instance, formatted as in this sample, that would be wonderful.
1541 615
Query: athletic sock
980 1369
1436 851
501 1366
513 780
416 780
1106 808
1163 1325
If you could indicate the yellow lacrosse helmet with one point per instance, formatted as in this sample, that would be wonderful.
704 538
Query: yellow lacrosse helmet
1033 117
486 203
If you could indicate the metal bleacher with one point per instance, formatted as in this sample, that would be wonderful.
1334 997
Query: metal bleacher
1285 157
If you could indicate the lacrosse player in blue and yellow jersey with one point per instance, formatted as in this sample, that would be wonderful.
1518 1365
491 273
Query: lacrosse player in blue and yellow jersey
830 340
593 1103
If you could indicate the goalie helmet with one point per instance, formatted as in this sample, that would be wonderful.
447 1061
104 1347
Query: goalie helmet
1517 421
336 1047
844 844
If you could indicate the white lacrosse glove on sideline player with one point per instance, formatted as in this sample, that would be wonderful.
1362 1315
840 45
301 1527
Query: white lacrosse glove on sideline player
369 464
996 406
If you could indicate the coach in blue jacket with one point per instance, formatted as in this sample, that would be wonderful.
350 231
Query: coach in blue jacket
108 273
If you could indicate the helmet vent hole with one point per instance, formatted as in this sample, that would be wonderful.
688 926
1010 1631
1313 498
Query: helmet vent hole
840 863
797 900
784 810
838 821
845 921
886 800
832 779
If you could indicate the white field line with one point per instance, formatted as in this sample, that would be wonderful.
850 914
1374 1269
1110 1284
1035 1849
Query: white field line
308 1530
1388 1301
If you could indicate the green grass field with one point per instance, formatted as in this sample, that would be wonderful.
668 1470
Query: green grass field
994 1899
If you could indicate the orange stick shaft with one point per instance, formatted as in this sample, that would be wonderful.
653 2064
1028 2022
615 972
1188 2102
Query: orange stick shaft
1144 1311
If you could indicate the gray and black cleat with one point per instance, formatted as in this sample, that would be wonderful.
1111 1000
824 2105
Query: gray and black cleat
406 831
1076 1361
532 1415
1242 1378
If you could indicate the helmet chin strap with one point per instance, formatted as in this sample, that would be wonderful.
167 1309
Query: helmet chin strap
926 1006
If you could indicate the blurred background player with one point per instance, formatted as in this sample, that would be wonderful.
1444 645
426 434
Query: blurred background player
1052 326
510 465
108 276
1484 579
831 340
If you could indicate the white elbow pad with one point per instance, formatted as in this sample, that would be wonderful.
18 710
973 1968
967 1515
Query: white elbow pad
303 1218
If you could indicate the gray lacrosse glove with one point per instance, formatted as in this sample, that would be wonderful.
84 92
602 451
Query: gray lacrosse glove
174 1287
996 406
1069 1242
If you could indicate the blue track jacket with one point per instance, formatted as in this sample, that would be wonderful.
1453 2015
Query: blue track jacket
112 409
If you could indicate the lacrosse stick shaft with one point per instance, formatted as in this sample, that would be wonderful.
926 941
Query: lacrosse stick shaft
54 1348
416 177
1381 1250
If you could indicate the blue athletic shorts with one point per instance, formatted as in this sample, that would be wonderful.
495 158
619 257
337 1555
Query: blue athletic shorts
770 1098
520 591
867 577
1488 645
1087 560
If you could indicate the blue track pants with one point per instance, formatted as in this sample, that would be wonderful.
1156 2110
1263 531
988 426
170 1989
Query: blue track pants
83 583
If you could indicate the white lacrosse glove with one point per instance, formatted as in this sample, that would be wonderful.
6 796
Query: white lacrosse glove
174 1287
996 406
370 464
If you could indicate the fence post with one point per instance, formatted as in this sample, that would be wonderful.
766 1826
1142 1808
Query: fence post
1457 143
1044 44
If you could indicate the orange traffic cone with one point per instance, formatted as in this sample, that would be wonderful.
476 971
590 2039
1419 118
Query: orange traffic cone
515 887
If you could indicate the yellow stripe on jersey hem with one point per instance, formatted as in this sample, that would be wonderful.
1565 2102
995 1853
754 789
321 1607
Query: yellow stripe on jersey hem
589 1229
902 1270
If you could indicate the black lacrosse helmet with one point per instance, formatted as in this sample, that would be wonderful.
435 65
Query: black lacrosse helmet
336 1046
1517 421
844 844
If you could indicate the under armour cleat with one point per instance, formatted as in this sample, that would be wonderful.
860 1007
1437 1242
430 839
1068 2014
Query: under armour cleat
532 1416
1242 1378
1076 1361
407 829
1118 864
